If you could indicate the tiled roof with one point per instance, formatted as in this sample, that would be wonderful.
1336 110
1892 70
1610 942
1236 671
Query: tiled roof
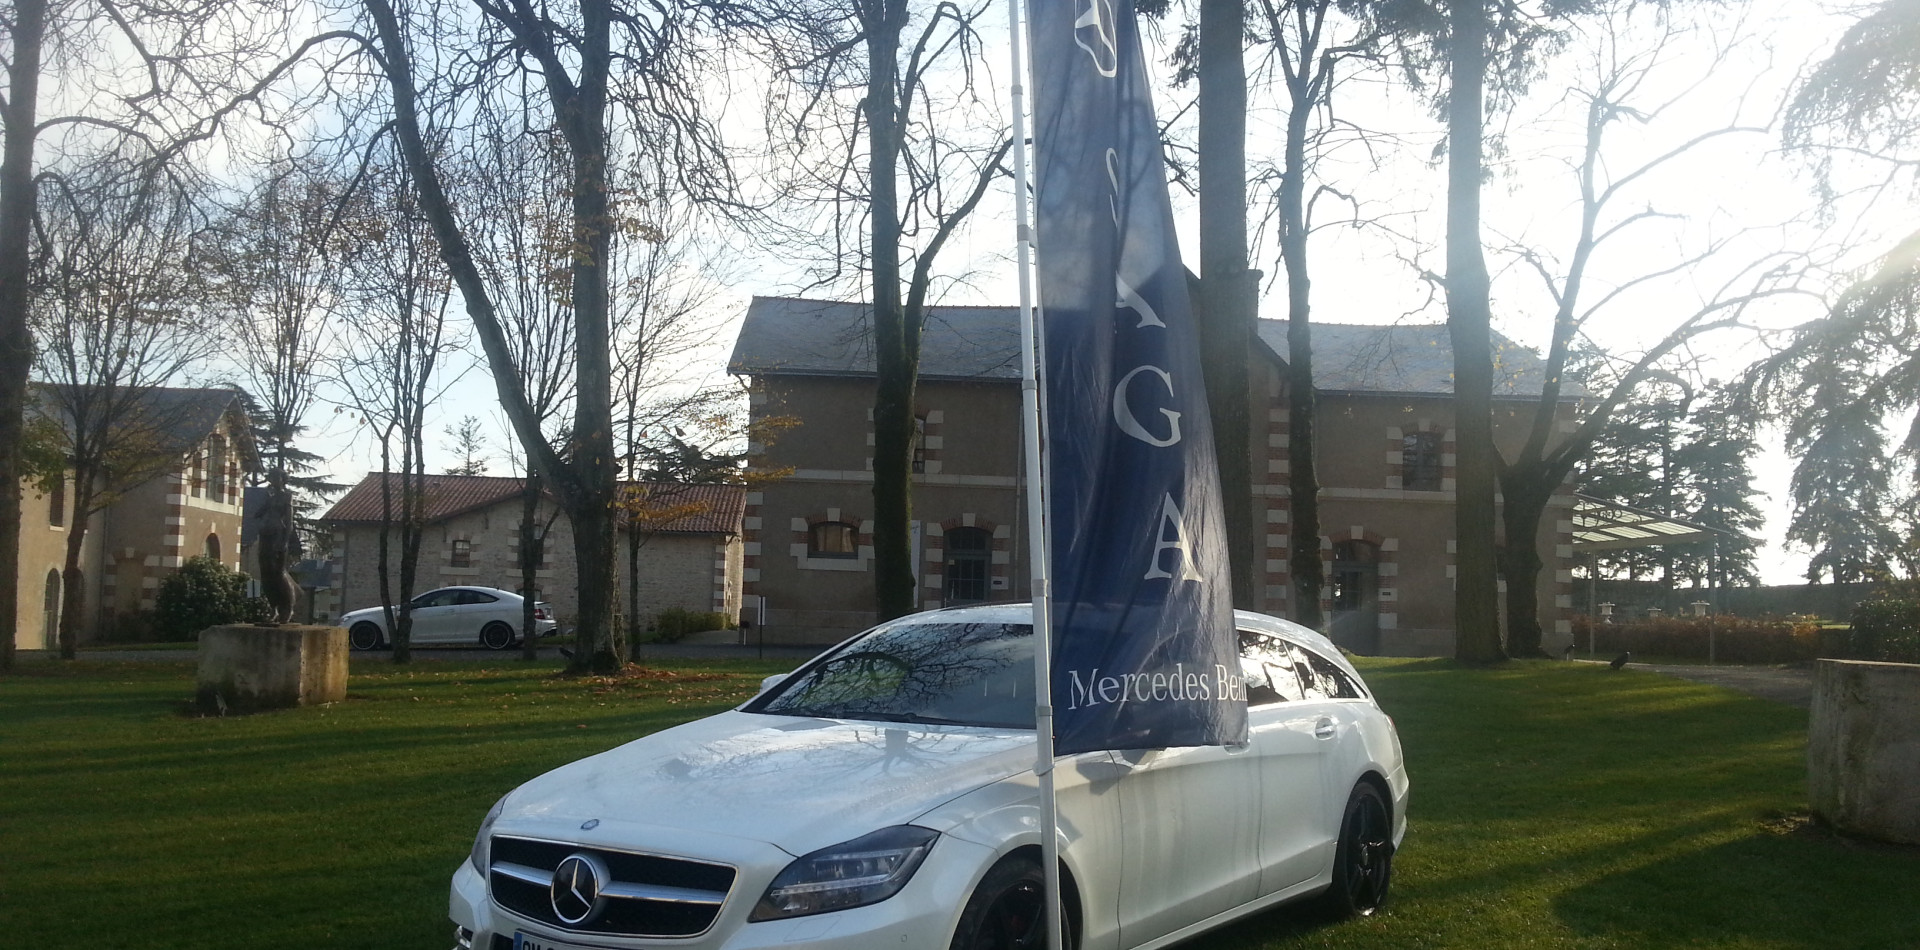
690 509
445 496
183 415
686 509
826 338
791 336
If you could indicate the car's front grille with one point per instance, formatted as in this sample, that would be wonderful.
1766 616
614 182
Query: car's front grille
648 896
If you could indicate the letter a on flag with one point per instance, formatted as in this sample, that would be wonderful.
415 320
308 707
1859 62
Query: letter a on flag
1145 654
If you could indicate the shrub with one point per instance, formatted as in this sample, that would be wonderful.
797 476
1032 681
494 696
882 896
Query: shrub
675 624
1886 630
1733 639
202 593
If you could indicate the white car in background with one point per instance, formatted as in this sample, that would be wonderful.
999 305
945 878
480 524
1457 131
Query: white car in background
486 616
883 795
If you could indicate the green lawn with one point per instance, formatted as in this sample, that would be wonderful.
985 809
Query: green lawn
1555 805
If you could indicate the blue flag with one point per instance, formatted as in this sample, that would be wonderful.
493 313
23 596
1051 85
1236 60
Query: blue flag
1145 654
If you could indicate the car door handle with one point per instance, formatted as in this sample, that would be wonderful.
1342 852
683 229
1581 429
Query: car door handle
1323 728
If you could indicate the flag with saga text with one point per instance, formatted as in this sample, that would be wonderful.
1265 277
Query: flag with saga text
1145 654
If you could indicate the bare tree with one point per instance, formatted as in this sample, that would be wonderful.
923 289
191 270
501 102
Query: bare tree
1309 58
894 209
284 245
612 80
1630 83
185 67
389 370
120 316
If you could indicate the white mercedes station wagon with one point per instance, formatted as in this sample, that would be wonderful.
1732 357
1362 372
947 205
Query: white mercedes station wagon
883 796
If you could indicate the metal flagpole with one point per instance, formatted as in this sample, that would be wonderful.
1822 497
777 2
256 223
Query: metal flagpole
1036 497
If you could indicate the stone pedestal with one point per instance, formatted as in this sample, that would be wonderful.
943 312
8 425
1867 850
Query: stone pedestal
1863 748
245 667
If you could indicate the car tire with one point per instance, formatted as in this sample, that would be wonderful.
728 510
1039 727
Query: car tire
1363 857
365 635
496 636
1007 910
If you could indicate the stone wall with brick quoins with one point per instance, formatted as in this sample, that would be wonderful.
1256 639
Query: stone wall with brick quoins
692 570
971 439
147 533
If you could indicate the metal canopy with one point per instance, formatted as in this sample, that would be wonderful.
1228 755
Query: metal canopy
1601 525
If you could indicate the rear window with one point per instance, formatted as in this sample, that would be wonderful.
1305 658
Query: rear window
978 674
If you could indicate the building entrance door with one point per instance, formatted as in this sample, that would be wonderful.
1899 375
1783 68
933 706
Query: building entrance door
1356 596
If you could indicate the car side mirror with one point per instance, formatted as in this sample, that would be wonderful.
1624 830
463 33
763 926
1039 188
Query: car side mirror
772 681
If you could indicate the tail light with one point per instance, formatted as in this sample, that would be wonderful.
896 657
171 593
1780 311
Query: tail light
542 612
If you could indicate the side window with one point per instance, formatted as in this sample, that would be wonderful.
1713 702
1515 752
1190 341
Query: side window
1268 669
831 539
1322 678
436 598
475 597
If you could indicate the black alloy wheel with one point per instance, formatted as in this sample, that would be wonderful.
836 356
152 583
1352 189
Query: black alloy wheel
1007 911
496 636
365 635
1363 859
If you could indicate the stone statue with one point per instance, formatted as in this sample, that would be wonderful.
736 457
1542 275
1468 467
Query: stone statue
276 539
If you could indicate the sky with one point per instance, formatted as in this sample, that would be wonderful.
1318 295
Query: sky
1737 188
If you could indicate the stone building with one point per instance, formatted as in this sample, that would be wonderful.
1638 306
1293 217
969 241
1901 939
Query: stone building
149 530
691 559
1386 457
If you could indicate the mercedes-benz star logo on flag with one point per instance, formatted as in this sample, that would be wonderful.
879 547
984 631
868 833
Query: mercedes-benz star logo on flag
1093 32
575 893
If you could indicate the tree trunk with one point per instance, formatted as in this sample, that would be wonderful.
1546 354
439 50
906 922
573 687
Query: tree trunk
1229 302
529 563
593 550
1476 614
1303 478
894 367
1524 504
16 343
73 588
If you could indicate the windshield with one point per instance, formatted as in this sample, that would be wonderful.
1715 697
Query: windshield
967 674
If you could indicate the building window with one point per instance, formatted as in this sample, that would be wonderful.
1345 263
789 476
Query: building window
1420 461
57 502
197 473
920 443
462 552
969 551
217 470
831 539
213 546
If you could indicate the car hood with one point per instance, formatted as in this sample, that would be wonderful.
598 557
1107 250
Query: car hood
798 784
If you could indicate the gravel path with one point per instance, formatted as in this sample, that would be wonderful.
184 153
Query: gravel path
1792 685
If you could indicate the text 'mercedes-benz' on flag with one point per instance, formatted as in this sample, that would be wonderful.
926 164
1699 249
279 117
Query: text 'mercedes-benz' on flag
1145 654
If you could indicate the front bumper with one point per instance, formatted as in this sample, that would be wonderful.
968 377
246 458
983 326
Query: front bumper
923 914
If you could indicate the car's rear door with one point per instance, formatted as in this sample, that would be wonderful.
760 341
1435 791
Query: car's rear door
473 610
1290 742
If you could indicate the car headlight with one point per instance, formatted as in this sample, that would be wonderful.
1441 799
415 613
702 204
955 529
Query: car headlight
479 856
866 870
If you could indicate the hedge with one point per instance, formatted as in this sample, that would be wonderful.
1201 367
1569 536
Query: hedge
1733 639
1885 630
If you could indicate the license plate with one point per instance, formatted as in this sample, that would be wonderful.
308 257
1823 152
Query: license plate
527 941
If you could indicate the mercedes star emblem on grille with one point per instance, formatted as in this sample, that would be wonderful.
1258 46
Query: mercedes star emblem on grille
575 893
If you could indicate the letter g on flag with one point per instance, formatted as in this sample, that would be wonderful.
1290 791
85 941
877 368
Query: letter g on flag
1094 32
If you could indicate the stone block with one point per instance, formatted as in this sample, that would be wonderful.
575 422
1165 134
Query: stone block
247 668
1863 749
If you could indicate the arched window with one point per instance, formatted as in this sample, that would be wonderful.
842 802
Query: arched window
831 539
1420 461
213 546
969 552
